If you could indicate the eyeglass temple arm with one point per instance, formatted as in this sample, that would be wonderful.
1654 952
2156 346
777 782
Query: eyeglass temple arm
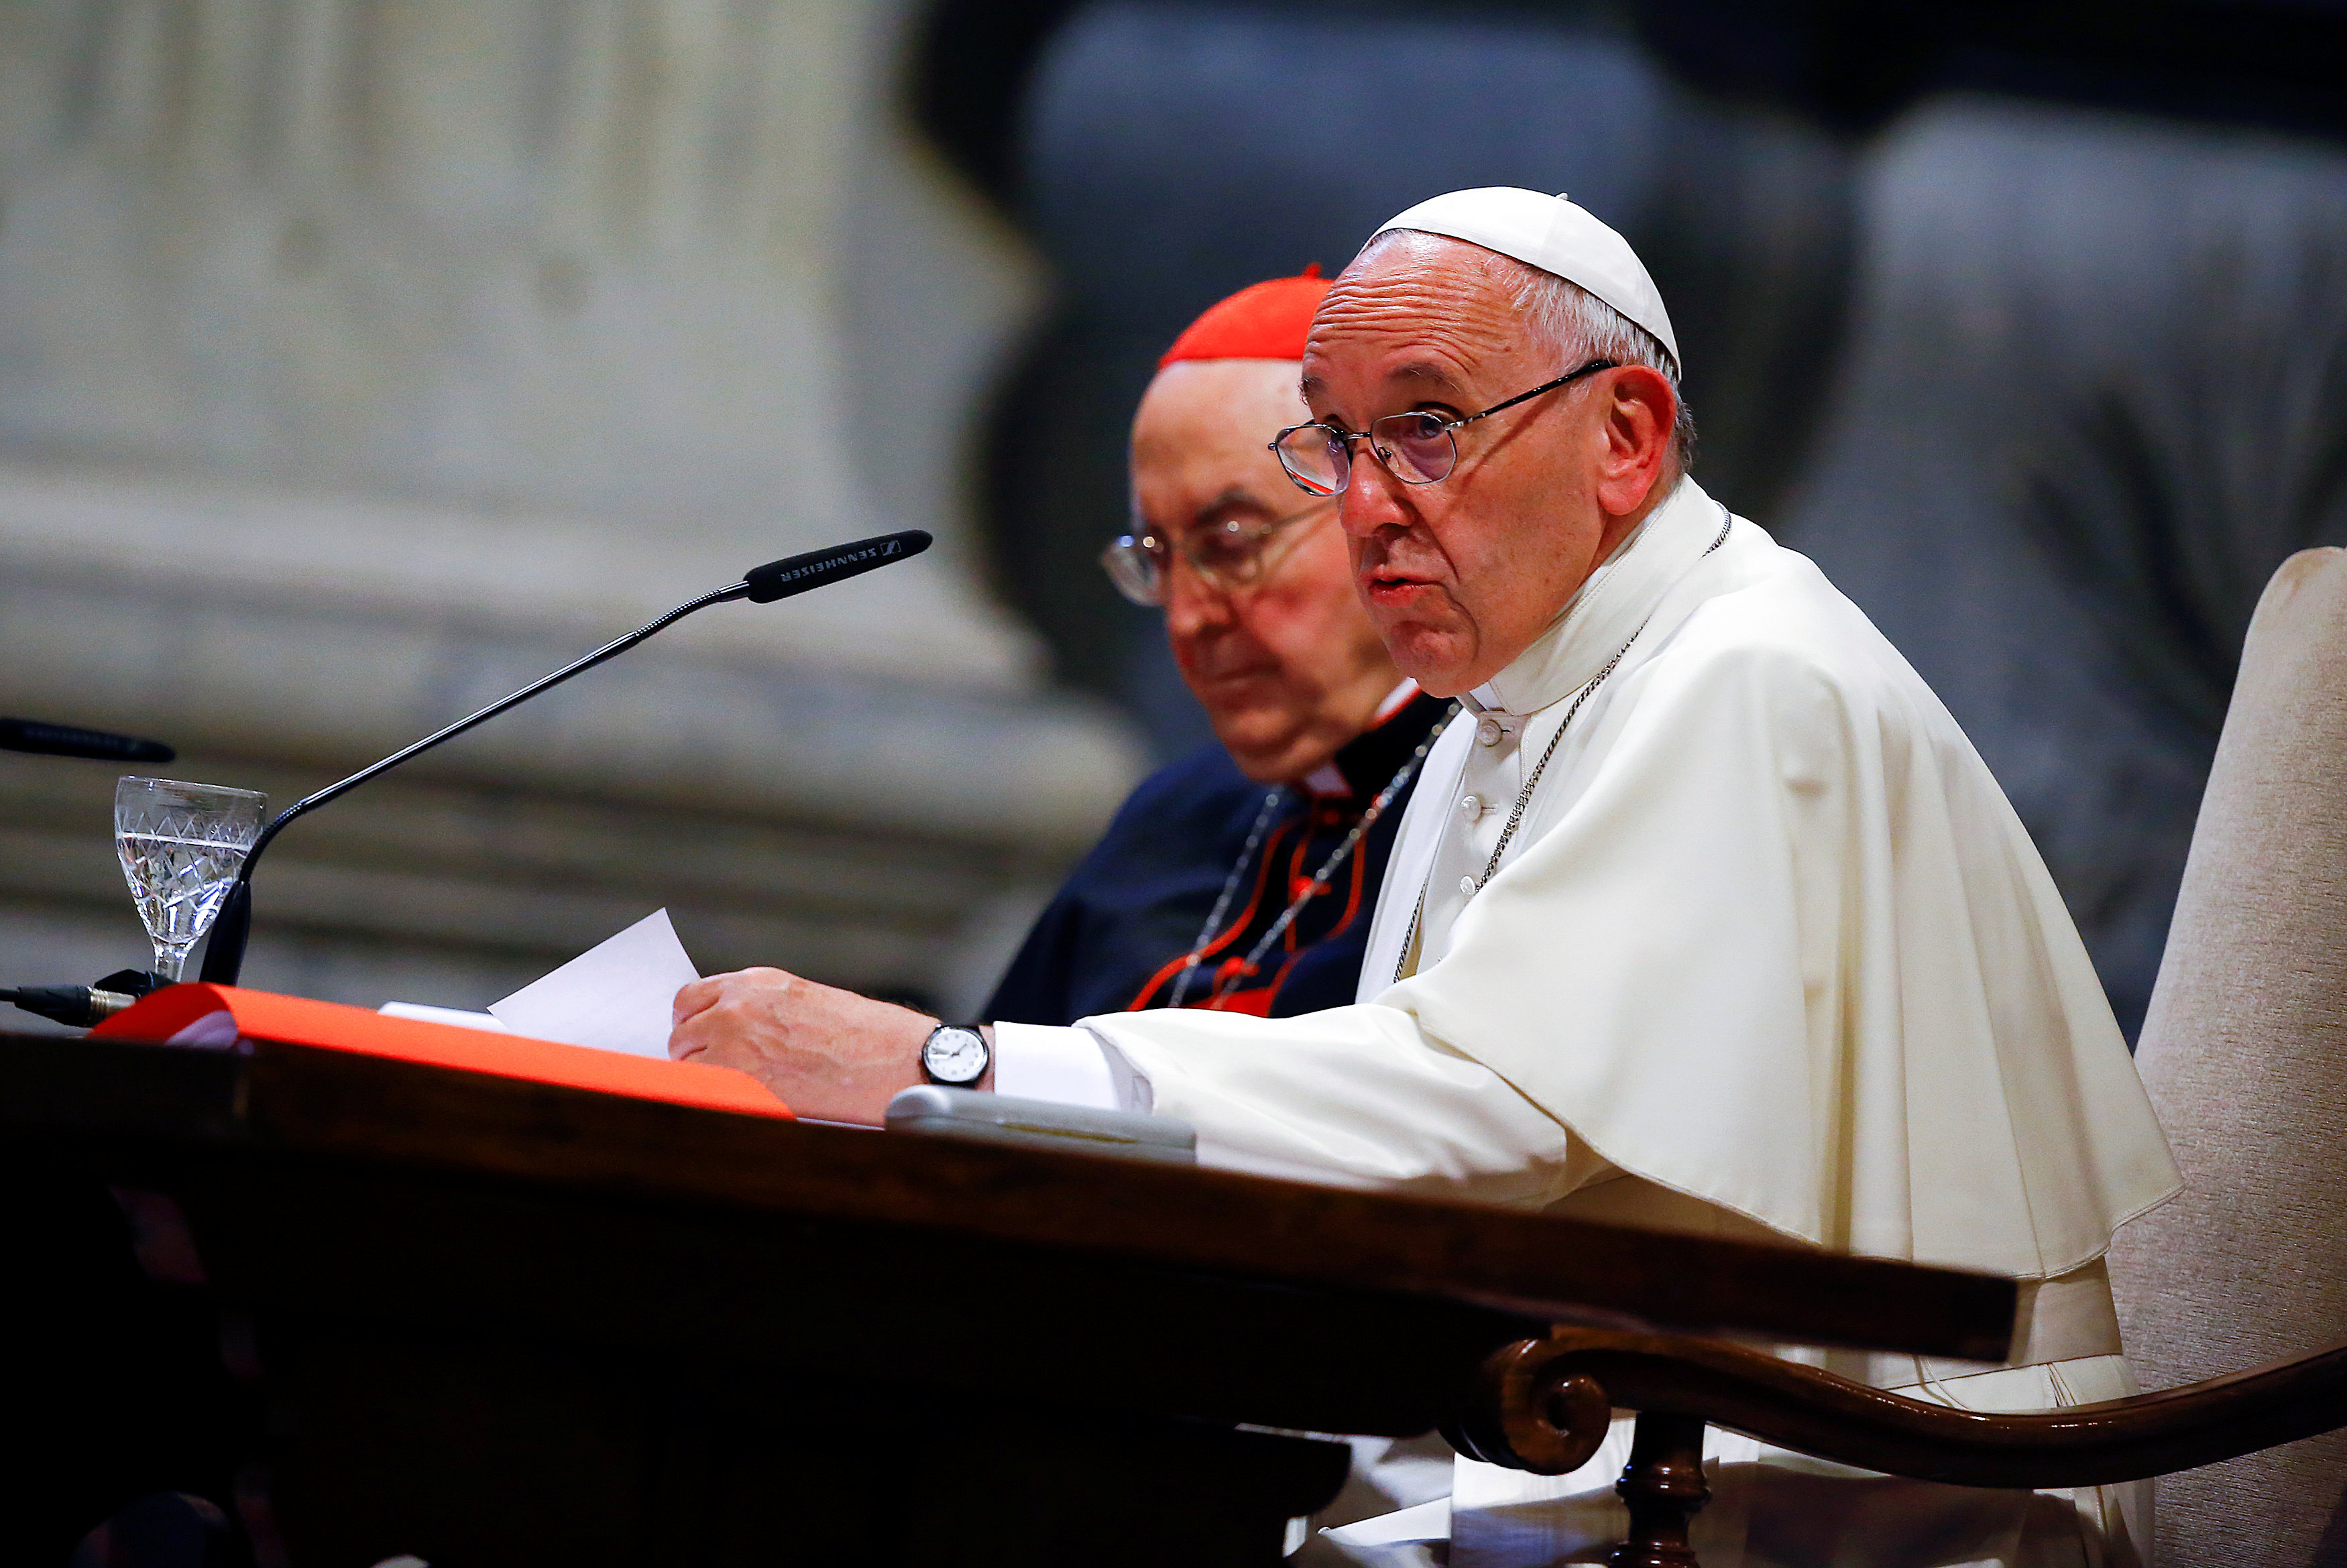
1350 437
1591 369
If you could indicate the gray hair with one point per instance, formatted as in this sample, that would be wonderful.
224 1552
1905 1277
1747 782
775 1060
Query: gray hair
1579 326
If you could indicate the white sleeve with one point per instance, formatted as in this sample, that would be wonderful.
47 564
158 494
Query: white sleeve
1068 1066
1356 1096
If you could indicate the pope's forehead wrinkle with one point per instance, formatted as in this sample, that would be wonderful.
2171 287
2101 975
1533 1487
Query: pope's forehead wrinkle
1448 315
1439 353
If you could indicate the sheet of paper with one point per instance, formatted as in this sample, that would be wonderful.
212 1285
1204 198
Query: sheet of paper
615 997
425 1013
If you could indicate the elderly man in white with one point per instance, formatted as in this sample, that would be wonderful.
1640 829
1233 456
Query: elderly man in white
1706 917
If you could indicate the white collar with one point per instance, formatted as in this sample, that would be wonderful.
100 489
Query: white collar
1608 608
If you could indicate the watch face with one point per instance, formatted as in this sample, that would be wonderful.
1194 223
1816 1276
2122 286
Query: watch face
954 1056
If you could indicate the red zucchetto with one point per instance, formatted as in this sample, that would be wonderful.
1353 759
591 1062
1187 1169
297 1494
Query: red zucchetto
1262 322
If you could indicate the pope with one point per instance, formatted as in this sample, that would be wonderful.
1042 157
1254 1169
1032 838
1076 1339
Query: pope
1241 877
1705 917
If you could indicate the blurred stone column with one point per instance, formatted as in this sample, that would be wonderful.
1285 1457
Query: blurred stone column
360 359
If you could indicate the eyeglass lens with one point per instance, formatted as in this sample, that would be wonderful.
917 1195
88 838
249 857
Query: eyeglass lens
1226 555
1317 459
1136 569
1417 447
1228 552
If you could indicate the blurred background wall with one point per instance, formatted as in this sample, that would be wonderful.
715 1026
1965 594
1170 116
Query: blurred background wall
2026 321
361 358
360 361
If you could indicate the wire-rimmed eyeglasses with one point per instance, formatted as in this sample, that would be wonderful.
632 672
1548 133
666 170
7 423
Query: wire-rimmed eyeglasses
1230 554
1417 448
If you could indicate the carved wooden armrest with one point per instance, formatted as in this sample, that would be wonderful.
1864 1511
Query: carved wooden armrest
1542 1405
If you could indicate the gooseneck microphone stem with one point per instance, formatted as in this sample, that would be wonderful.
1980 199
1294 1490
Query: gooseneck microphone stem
224 955
224 958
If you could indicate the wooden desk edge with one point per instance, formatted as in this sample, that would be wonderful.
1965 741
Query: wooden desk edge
326 1104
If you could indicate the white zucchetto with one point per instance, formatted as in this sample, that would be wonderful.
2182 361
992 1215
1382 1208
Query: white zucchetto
1553 234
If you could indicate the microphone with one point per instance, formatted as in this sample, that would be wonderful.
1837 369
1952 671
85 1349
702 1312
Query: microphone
781 579
224 954
65 740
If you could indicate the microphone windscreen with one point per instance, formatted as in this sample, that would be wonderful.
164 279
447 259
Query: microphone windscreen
65 740
780 579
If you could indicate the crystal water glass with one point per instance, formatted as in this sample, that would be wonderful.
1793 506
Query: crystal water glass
180 846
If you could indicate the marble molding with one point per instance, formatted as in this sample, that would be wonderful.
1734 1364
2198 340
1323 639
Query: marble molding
360 363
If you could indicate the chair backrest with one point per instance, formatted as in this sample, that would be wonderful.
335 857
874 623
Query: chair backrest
2245 1053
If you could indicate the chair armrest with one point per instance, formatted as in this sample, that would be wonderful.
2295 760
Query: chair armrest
1542 1405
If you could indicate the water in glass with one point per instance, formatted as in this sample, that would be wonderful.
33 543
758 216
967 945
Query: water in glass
181 845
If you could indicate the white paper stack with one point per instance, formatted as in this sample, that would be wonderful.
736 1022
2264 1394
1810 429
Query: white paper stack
615 997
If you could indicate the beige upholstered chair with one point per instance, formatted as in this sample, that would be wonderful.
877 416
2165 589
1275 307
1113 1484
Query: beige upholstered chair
2245 1053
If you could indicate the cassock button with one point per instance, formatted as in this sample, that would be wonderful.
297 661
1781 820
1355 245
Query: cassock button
1466 887
1471 807
1487 732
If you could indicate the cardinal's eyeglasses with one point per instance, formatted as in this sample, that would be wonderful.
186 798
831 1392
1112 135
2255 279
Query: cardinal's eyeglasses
1417 448
1227 554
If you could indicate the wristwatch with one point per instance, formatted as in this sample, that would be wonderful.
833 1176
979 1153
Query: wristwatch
956 1055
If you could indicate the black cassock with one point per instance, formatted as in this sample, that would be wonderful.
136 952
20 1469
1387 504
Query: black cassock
1116 936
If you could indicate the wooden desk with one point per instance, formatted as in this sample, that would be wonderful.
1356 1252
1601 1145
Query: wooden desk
486 1322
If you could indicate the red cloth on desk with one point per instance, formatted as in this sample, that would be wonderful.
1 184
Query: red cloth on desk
298 1021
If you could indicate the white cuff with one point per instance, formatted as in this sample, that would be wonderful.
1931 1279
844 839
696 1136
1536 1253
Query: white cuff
1067 1066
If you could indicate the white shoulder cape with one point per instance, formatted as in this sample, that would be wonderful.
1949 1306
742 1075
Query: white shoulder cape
1771 936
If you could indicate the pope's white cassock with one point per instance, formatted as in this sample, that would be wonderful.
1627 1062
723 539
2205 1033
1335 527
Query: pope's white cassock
1769 956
